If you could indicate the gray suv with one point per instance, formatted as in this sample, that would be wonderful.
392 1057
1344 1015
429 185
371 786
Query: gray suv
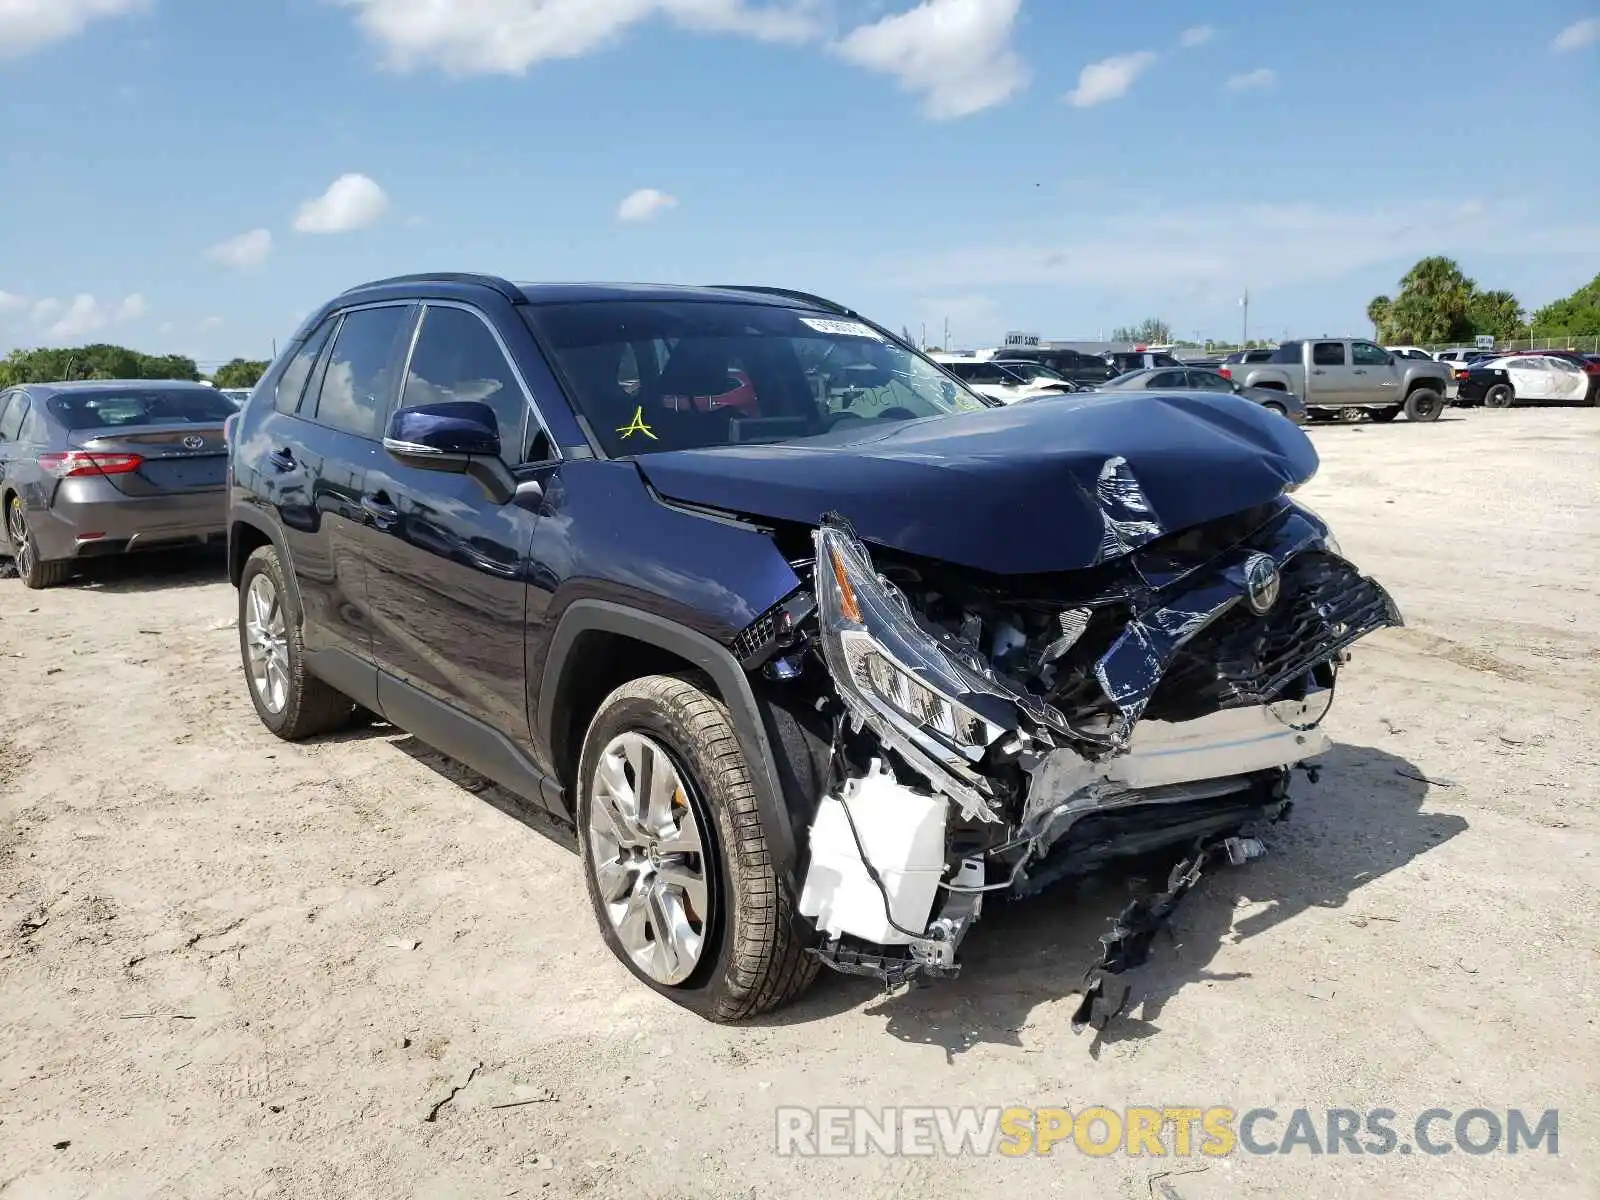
104 467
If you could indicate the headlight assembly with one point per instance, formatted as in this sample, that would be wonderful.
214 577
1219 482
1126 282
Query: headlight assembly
940 708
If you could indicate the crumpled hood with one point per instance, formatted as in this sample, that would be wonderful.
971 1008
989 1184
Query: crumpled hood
1047 485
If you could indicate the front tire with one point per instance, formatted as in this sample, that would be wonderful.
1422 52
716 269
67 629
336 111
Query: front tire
1424 404
1499 396
290 701
34 572
675 858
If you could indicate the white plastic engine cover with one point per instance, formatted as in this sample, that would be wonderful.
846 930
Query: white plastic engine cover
902 833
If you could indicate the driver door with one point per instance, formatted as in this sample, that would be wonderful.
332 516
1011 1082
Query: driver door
1375 374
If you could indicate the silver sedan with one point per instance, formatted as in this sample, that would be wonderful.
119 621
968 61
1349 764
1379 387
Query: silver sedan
1196 379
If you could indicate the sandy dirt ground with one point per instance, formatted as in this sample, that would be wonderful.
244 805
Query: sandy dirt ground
231 967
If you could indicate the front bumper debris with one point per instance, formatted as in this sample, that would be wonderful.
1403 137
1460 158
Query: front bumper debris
1128 943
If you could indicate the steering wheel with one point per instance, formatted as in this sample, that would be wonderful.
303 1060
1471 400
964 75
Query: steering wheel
840 417
897 414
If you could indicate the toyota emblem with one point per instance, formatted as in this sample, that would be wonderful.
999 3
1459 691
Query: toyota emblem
194 442
1261 583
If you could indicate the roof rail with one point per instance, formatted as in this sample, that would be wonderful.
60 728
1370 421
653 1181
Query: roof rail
505 287
829 305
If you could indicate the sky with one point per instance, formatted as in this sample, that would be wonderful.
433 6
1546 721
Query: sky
195 176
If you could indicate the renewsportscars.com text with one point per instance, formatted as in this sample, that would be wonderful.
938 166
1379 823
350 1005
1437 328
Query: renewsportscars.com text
1160 1132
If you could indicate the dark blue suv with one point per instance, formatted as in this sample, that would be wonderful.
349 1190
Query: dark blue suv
815 647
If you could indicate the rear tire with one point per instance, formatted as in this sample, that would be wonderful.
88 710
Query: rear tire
1384 415
1424 404
35 573
290 701
1276 408
1499 396
748 955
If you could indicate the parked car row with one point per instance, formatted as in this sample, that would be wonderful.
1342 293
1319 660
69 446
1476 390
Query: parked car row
811 671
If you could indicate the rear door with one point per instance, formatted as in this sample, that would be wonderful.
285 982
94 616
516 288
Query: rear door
1567 380
1530 379
321 440
1330 380
446 565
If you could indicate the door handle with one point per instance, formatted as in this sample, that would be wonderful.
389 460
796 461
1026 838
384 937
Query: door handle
380 510
283 460
1318 371
1358 371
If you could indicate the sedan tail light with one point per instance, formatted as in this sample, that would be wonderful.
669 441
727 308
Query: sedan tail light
1225 372
1460 373
85 462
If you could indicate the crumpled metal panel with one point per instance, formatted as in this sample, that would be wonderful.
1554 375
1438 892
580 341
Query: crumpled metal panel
1131 670
1130 519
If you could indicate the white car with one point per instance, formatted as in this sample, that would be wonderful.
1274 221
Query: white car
1537 377
995 381
1409 352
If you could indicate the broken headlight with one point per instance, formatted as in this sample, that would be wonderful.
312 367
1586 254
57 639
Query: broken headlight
925 696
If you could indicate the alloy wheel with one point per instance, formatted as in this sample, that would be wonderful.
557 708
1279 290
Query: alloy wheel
21 544
648 857
267 643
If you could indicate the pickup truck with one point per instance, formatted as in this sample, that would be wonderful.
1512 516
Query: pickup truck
1333 375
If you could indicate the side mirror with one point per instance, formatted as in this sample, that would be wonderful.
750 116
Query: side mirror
457 437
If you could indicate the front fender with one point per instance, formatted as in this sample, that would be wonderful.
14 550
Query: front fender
732 684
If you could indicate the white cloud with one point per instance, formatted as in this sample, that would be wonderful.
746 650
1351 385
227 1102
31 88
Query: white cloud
44 311
1109 78
956 53
1247 81
83 315
243 252
1578 35
351 202
1197 35
472 37
1269 245
212 323
645 204
132 308
10 302
25 25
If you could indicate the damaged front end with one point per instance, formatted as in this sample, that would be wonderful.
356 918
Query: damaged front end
996 734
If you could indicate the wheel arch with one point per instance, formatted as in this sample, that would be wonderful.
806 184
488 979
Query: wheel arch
1433 385
599 645
248 532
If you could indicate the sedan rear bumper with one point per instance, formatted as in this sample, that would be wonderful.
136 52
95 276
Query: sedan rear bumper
89 517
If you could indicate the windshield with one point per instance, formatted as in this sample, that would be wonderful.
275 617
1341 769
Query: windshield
107 410
678 375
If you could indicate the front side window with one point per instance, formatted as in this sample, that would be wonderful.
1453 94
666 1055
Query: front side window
458 358
1169 379
1327 354
360 377
1365 354
5 404
712 374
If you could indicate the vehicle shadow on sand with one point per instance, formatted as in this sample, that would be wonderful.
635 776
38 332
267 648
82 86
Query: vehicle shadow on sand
1363 820
154 571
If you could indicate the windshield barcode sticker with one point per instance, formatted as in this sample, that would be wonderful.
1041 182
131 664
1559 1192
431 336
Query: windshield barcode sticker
842 328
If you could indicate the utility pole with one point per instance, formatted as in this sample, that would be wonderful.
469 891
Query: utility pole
1244 332
946 346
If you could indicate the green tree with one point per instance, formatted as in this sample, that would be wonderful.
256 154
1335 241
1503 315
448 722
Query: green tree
1578 315
1152 331
1497 314
48 364
1433 304
239 373
1381 313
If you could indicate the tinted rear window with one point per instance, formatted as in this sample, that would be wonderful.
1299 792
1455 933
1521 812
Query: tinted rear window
109 410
